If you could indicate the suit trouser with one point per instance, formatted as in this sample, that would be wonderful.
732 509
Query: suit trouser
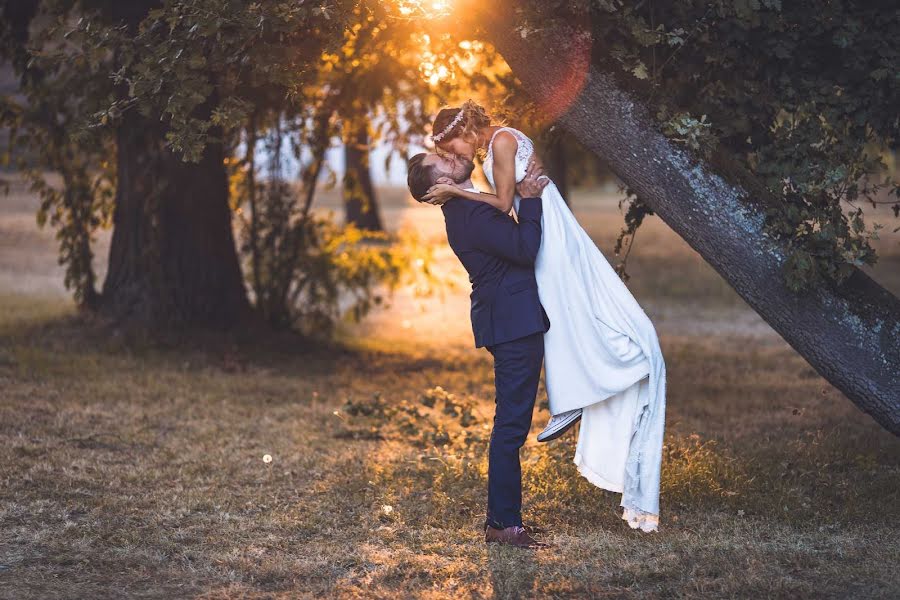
517 371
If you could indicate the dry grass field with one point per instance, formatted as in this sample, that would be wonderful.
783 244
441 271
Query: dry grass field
134 468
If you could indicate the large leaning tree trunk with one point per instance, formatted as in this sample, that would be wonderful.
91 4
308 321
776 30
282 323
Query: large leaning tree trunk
850 334
172 259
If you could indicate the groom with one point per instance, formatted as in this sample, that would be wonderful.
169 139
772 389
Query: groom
507 319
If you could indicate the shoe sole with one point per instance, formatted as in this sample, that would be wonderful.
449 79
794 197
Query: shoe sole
536 546
561 430
531 530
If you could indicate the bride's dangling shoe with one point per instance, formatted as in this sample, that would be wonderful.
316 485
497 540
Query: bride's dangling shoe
559 424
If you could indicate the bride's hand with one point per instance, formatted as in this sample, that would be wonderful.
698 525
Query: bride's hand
440 193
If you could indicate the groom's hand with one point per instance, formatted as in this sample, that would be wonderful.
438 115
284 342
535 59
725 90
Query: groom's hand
534 162
534 182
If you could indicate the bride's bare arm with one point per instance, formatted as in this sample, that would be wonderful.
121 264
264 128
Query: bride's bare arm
441 192
504 151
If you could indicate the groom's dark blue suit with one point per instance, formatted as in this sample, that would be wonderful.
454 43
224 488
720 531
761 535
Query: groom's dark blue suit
508 320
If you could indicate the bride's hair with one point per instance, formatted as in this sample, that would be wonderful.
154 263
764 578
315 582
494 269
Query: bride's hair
473 118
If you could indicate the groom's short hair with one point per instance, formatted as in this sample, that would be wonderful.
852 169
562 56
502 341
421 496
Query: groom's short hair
420 176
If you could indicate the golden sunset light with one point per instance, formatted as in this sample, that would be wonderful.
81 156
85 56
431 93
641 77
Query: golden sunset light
429 9
321 299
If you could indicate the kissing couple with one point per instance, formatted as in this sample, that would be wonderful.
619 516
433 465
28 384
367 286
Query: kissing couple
544 295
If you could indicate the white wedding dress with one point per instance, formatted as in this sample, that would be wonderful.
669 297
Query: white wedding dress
601 354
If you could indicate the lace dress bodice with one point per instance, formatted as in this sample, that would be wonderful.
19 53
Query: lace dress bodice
523 152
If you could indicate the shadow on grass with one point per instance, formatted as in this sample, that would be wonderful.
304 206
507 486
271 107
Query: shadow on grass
45 336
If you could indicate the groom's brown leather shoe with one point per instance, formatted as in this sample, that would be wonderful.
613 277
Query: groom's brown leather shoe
512 536
532 529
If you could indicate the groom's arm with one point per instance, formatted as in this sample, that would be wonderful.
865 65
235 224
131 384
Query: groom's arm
497 233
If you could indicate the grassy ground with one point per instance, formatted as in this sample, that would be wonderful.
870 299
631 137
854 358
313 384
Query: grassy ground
131 468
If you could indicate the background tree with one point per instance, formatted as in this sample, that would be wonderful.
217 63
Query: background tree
360 202
183 77
39 137
784 242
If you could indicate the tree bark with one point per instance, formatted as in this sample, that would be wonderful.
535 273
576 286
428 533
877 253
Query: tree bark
360 205
850 334
557 164
172 258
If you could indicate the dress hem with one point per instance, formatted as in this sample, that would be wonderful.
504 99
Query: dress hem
595 477
636 519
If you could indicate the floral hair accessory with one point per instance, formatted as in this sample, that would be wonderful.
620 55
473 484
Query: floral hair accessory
456 119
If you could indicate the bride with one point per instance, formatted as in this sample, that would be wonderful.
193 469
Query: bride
602 360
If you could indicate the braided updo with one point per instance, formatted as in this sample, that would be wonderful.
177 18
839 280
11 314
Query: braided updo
474 118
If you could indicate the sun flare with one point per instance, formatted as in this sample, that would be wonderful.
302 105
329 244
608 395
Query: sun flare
429 9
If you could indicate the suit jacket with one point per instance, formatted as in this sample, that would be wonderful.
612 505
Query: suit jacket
499 255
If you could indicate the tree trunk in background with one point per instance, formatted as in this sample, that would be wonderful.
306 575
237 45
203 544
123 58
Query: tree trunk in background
850 333
172 258
360 205
556 164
